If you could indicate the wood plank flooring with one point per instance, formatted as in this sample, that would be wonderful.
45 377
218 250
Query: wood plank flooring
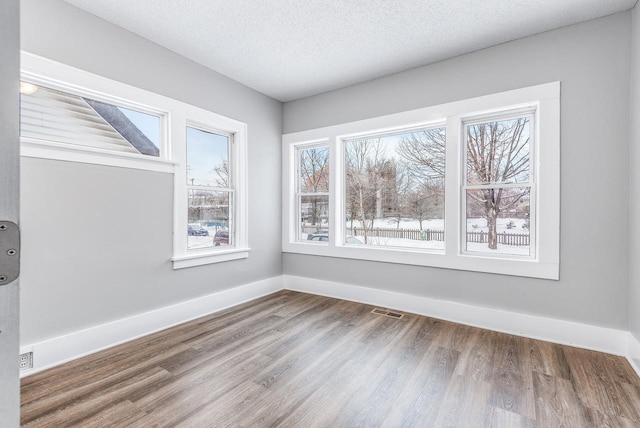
297 360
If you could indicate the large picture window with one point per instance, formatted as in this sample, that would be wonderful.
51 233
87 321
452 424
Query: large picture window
472 185
394 189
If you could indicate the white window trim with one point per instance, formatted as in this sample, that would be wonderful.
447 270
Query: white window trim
175 116
545 264
183 258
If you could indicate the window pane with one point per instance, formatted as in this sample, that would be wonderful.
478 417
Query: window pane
498 221
395 189
314 170
314 218
207 158
209 219
498 152
147 124
47 114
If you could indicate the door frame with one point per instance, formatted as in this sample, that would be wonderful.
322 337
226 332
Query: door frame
9 205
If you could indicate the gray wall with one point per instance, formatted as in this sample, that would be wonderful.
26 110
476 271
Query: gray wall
97 239
634 182
592 60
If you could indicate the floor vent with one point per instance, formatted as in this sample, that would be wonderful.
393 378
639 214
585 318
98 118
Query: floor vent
26 361
386 313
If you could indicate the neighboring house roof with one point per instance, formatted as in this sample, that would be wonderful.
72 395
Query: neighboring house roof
125 127
52 115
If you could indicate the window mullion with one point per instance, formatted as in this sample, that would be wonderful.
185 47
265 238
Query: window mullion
452 199
313 193
211 188
497 186
336 192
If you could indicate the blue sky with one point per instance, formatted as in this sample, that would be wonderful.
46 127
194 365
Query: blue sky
148 124
205 152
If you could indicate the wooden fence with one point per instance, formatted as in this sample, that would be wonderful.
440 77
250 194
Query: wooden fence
416 234
514 239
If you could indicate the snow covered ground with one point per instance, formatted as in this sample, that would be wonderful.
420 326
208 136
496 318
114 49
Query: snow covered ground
407 243
197 242
473 225
390 223
510 250
480 225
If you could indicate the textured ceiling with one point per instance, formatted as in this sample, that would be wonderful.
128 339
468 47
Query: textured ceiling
290 49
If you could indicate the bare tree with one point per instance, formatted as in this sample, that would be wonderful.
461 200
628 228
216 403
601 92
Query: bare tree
222 174
364 162
403 183
423 154
426 201
497 156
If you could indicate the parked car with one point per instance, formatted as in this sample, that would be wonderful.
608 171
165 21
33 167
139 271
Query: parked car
318 237
321 232
221 237
194 229
324 237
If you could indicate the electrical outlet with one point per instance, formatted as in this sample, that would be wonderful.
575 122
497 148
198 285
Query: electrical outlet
26 361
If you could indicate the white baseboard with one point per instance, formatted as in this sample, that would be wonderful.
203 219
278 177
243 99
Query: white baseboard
601 339
633 352
65 348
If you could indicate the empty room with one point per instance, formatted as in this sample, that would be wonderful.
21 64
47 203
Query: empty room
324 213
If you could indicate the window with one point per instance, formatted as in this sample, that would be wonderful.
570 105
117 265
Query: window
72 115
210 217
471 185
498 188
394 189
210 190
312 193
61 117
69 114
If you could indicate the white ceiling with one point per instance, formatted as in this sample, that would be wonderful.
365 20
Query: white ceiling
290 49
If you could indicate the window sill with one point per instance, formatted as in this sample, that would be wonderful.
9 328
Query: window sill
34 148
199 259
436 259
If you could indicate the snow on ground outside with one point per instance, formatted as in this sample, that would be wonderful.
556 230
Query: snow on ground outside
198 242
439 245
502 249
473 225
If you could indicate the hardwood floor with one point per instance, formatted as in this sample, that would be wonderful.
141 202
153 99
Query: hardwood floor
297 360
